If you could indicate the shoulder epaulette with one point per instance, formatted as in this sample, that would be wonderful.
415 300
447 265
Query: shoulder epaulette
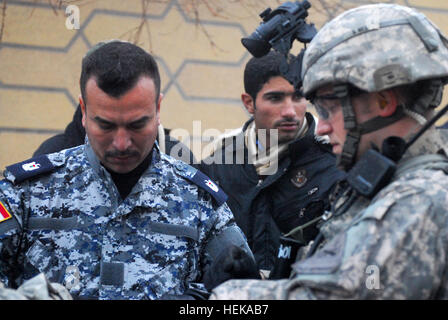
29 168
201 180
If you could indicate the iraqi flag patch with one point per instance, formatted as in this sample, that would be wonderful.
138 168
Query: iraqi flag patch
4 213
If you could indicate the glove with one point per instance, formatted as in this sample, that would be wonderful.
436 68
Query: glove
232 263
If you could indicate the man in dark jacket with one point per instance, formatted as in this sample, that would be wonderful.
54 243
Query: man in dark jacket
74 135
279 179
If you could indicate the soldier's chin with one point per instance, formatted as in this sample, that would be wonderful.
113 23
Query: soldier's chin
337 149
121 166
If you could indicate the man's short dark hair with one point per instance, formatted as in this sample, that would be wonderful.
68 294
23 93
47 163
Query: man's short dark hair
258 71
117 66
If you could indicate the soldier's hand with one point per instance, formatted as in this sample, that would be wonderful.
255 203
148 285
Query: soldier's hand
232 263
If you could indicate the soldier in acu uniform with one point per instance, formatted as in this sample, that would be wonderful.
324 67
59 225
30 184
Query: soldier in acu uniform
375 74
114 218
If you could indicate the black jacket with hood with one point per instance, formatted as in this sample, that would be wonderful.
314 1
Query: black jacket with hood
266 208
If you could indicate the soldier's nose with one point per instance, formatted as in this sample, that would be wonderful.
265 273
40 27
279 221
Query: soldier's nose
122 140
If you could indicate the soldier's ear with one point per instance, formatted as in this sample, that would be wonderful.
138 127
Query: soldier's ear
159 103
83 110
248 102
387 102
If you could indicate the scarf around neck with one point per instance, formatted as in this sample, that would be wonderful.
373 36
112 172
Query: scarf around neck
265 159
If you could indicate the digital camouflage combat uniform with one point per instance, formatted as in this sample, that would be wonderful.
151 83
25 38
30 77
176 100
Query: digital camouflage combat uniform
393 247
62 215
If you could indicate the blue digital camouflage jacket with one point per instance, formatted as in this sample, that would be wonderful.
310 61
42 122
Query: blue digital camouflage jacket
62 215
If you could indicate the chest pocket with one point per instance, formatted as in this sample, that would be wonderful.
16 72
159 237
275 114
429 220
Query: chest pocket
175 251
175 230
170 242
41 256
326 260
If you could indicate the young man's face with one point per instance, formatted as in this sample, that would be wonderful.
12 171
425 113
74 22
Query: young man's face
277 106
121 130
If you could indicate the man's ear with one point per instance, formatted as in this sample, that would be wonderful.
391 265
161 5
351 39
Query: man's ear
248 102
83 110
387 103
159 103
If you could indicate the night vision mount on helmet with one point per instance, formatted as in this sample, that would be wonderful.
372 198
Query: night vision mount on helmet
279 29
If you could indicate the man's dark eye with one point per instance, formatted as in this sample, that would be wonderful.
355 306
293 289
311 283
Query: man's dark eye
275 97
136 126
297 95
106 126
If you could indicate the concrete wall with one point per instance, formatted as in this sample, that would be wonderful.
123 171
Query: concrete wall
196 43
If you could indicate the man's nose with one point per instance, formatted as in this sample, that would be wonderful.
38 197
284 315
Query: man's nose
122 140
323 127
288 108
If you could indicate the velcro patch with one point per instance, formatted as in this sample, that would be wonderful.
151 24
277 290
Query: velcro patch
4 213
30 168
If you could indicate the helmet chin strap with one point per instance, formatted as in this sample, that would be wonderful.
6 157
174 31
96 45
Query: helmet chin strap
347 157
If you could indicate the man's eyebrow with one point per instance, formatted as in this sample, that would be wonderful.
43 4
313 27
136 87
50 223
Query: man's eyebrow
139 121
274 93
105 122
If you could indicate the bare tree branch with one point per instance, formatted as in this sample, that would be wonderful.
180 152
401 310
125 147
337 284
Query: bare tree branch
134 34
217 8
193 6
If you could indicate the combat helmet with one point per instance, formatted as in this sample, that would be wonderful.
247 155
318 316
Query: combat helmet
373 48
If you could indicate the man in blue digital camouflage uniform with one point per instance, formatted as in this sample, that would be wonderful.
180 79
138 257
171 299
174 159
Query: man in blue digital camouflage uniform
114 218
375 74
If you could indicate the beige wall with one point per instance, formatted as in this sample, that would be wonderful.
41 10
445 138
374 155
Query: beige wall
201 60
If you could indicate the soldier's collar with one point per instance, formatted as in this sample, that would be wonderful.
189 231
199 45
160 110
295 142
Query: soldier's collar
431 142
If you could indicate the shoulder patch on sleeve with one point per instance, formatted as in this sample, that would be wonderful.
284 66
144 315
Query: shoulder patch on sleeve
29 168
4 213
201 180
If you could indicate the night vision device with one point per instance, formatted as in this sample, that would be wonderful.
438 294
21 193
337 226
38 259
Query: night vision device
279 29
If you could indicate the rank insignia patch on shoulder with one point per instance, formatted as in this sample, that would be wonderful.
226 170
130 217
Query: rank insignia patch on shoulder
208 185
201 180
4 214
30 168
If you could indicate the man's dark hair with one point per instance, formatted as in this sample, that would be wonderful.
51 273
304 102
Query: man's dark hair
116 67
258 71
